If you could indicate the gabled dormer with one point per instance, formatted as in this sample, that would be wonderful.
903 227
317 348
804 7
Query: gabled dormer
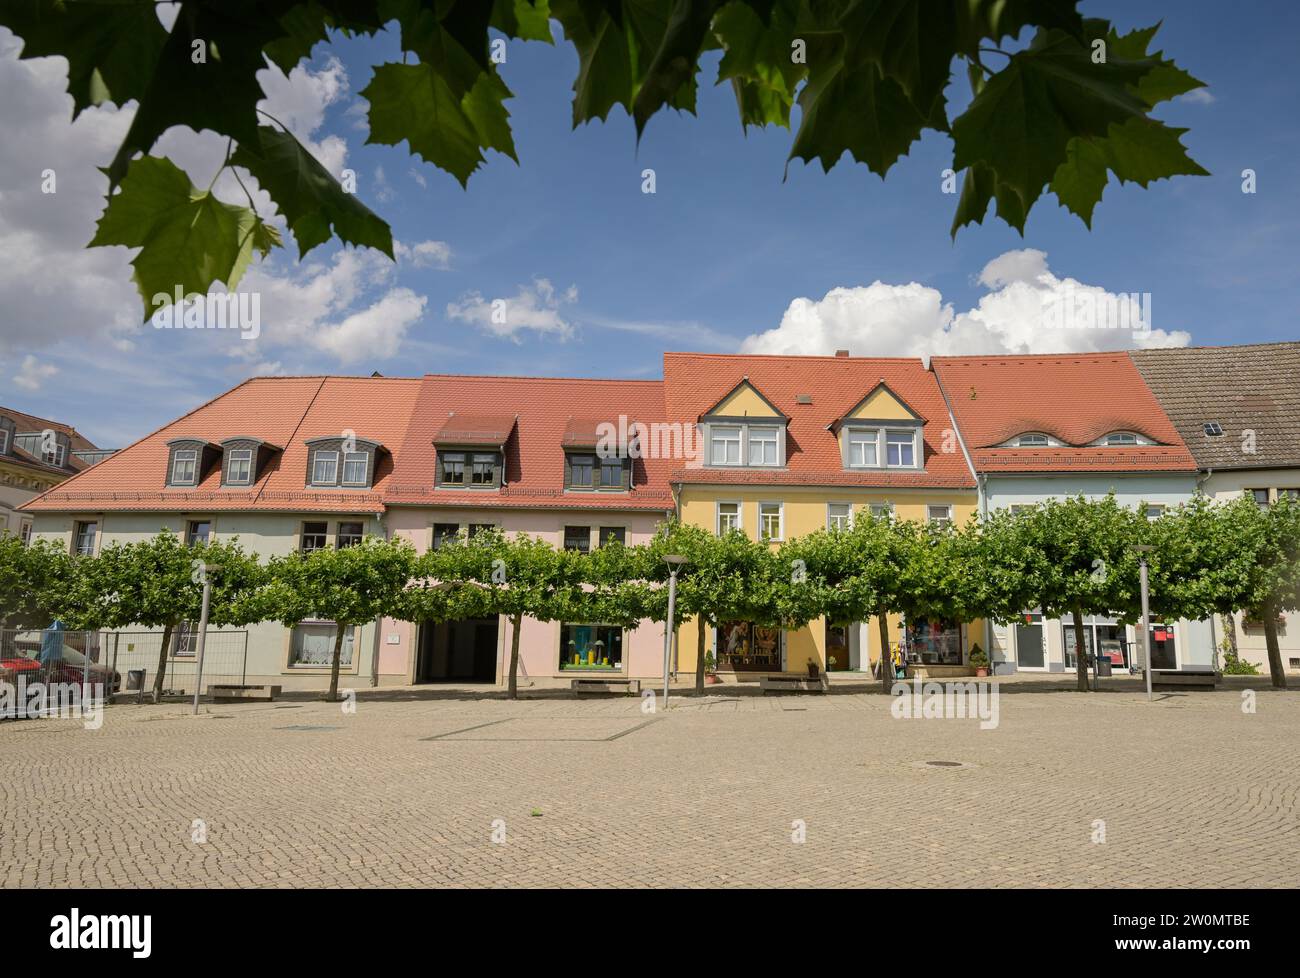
744 430
881 431
471 451
244 459
341 462
189 460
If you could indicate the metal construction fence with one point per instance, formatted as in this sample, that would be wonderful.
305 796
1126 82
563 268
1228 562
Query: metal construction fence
37 663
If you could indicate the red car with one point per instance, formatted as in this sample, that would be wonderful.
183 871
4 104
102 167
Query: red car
69 667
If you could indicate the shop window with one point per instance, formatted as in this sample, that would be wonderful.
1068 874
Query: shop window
934 642
743 646
591 647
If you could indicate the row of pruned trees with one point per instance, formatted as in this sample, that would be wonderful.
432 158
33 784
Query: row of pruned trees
1070 558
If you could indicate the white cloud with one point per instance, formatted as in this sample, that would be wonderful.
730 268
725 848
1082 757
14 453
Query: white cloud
32 374
534 307
1014 316
1198 96
375 332
299 101
424 254
418 177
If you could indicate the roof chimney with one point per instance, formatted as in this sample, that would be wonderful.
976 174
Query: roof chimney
841 353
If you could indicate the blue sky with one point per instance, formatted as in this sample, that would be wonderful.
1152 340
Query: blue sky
718 254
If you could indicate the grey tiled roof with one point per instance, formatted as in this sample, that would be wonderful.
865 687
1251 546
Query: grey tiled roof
1254 388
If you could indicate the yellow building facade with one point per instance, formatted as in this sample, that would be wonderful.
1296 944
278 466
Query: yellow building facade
790 445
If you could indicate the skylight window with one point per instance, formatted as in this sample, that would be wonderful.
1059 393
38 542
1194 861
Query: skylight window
1212 429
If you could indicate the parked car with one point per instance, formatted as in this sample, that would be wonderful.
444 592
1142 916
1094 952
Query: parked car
66 666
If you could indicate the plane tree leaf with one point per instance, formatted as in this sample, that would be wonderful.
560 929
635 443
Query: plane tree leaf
313 203
186 236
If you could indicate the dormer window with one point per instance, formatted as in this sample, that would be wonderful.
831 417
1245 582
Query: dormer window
593 472
185 466
344 463
239 467
1121 438
324 467
882 448
356 466
725 445
469 469
764 446
1032 440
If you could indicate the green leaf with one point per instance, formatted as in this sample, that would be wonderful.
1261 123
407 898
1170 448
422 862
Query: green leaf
111 46
311 200
856 110
416 103
1166 80
757 61
675 62
1081 179
527 20
306 24
1021 124
186 237
205 76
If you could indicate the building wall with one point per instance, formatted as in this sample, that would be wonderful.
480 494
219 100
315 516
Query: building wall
1193 641
1227 485
265 534
17 486
804 509
539 642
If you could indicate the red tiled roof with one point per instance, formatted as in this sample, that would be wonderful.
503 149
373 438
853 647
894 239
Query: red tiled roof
286 411
1075 398
25 423
474 429
542 409
695 382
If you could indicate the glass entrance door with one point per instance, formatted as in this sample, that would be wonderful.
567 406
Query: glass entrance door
1030 652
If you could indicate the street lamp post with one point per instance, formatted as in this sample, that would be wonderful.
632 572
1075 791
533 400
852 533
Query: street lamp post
1142 551
674 563
203 630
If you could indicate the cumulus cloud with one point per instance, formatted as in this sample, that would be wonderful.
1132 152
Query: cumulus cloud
535 308
1027 309
32 374
424 254
299 100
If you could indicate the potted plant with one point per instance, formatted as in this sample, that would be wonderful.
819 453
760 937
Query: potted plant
813 669
980 660
710 669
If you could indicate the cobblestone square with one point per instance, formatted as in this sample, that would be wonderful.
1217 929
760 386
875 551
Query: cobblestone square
454 788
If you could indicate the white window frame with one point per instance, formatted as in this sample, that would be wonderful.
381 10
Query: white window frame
938 520
886 444
353 458
1039 440
740 509
886 506
721 435
769 436
241 456
1159 511
338 534
191 456
780 520
833 519
25 532
868 436
317 456
4 440
76 537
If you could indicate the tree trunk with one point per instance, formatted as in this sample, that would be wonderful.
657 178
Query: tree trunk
333 695
512 683
886 661
1081 652
160 676
699 656
1230 634
1275 669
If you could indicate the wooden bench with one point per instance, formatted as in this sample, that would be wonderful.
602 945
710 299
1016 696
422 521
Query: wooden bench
234 693
1184 679
606 685
792 684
